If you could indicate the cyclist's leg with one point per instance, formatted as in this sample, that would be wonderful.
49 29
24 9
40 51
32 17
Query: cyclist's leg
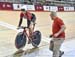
33 21
31 28
28 23
32 24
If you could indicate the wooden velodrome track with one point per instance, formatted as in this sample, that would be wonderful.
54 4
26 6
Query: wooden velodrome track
7 35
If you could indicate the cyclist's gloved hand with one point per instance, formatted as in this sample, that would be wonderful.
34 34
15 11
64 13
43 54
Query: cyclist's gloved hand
50 36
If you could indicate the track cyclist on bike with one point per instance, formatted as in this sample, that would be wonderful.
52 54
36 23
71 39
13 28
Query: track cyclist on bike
31 18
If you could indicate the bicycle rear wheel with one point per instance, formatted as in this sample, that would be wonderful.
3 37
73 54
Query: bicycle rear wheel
36 38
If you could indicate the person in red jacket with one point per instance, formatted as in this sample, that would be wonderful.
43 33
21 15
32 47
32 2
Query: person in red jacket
31 18
58 35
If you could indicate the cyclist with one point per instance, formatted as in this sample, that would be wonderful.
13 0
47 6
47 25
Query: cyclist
31 18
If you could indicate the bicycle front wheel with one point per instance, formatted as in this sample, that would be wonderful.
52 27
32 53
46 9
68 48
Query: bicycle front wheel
20 40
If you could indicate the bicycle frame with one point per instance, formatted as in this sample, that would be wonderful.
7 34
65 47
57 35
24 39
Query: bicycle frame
20 40
25 32
28 34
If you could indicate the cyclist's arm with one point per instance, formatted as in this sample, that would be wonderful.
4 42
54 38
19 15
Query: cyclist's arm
20 22
21 17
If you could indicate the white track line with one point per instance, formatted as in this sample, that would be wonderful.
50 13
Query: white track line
9 26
